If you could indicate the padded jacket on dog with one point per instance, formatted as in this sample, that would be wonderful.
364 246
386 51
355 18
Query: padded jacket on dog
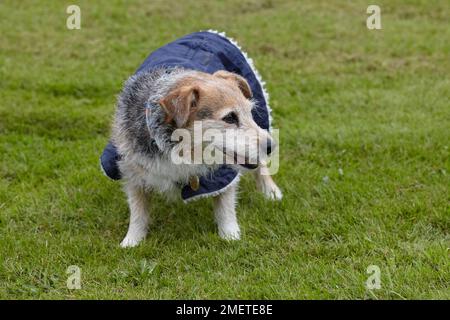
206 52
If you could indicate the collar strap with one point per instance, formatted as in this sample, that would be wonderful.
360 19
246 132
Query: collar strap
149 108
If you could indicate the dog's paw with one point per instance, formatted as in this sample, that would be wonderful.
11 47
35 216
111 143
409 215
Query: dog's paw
272 192
131 241
230 232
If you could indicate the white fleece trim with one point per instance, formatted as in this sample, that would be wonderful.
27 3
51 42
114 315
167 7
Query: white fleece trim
215 193
103 169
255 71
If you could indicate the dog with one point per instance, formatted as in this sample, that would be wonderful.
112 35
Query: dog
202 79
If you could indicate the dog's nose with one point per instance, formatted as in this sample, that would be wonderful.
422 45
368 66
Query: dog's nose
270 146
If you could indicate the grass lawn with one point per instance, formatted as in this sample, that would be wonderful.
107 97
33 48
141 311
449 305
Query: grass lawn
364 119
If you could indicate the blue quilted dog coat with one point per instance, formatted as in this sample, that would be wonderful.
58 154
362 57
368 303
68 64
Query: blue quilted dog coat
208 52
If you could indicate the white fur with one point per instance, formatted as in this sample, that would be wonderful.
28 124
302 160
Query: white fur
159 174
225 214
266 185
139 217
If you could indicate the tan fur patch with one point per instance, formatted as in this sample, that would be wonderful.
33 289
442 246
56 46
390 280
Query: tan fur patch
204 96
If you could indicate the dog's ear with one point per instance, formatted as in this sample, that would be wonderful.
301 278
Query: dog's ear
240 81
179 104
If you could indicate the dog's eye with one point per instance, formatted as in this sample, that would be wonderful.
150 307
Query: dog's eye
231 118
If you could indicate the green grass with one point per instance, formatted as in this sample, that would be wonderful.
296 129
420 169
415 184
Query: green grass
373 103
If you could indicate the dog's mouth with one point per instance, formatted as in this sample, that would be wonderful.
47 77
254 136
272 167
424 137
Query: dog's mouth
249 166
242 161
245 162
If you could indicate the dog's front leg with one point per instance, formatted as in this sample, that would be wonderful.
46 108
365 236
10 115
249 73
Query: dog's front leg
139 218
225 214
266 184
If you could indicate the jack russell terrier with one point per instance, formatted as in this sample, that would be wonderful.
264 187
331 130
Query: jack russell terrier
204 79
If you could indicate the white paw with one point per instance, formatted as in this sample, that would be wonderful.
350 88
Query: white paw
131 240
230 232
272 192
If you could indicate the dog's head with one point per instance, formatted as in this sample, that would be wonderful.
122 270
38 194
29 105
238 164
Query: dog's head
222 104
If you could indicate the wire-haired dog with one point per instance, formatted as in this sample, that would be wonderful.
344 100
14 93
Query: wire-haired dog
201 79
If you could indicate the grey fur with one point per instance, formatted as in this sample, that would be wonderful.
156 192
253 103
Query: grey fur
132 133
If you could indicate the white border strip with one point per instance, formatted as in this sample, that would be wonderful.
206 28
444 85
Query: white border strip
103 169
